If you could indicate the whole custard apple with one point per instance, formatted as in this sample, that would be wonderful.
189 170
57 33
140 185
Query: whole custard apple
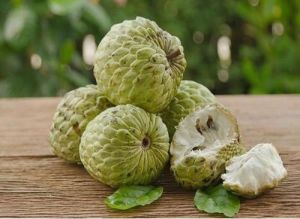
203 143
138 63
76 109
125 145
190 95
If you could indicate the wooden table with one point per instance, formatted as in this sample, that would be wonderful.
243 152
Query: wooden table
33 182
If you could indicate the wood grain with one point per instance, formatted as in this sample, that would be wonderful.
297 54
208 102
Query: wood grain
35 183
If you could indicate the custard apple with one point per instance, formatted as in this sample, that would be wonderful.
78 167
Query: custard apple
73 113
254 172
138 63
125 145
190 95
202 144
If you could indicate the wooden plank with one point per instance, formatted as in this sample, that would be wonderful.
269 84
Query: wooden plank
35 183
270 118
25 123
48 186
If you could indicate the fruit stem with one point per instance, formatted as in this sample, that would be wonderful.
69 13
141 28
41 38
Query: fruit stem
173 55
146 142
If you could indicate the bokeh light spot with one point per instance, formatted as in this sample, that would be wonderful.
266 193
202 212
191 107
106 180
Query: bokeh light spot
223 75
223 48
254 3
35 61
89 49
277 28
198 37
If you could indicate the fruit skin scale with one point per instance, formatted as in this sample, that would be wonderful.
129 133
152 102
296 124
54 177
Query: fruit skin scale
77 108
125 145
138 63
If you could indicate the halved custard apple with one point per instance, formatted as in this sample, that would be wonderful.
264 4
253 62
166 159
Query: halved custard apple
202 144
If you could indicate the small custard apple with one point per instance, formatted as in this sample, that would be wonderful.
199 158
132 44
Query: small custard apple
125 145
138 63
254 172
74 112
202 144
190 95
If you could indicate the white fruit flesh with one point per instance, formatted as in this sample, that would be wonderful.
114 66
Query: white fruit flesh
258 170
203 133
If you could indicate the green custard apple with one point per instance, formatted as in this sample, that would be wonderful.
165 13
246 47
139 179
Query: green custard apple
190 95
254 172
76 109
202 144
125 145
138 63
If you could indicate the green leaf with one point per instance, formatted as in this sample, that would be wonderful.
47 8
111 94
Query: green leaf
1 36
131 196
19 27
77 78
64 7
66 51
217 200
96 15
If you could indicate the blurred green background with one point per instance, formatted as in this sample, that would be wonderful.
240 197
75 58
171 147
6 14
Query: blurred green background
248 46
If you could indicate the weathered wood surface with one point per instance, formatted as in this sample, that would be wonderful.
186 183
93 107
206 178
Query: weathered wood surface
35 183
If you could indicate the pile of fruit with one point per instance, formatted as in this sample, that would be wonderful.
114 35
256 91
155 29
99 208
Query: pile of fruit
141 115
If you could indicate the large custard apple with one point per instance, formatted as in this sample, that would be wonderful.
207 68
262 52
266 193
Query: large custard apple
74 112
125 145
139 63
254 172
190 95
202 144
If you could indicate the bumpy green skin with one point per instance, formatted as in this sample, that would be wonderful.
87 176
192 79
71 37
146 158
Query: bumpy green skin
139 63
229 151
190 95
125 145
74 112
197 171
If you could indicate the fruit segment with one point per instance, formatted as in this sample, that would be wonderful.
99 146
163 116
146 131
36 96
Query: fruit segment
255 172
